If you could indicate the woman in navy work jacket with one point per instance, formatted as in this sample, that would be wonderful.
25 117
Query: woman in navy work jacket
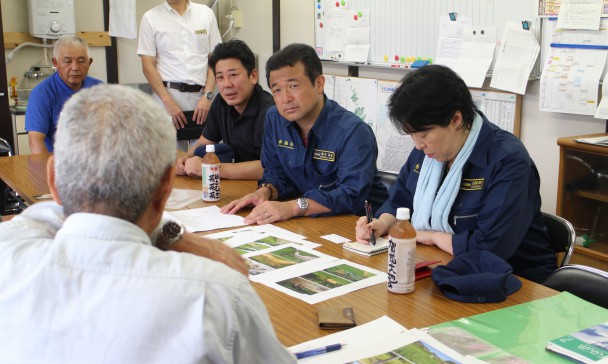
470 185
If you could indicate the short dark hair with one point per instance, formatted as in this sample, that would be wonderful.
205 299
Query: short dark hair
234 48
429 97
292 54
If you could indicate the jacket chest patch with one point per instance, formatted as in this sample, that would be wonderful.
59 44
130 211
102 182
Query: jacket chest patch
472 184
324 155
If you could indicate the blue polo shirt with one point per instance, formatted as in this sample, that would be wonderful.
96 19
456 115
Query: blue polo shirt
45 103
338 167
497 208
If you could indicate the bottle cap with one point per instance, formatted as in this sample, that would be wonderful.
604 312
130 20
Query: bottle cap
210 148
403 213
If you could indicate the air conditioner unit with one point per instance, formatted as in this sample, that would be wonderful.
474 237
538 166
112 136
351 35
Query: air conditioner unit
51 18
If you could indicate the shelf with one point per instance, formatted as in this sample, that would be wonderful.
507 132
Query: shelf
597 250
585 208
592 194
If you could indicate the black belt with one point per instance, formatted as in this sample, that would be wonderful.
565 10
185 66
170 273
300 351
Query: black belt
183 87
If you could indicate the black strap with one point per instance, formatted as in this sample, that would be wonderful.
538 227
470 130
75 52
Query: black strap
183 87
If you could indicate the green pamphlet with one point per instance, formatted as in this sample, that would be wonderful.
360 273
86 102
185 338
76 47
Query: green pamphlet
522 331
585 346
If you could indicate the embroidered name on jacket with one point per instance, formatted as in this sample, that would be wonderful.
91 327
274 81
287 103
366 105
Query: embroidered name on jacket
472 184
324 155
285 144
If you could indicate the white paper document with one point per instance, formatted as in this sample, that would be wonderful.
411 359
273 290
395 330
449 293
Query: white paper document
314 284
602 110
516 56
257 230
335 238
393 146
476 55
204 219
382 341
181 198
579 14
570 80
449 41
498 107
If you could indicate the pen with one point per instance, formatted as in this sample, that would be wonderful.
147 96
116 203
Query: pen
319 351
43 197
370 217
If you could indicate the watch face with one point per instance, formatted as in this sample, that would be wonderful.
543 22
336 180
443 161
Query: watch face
303 205
209 95
170 232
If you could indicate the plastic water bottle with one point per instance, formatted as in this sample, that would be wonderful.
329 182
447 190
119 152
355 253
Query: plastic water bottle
210 172
401 254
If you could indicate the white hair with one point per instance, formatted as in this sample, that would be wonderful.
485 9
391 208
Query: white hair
69 41
112 147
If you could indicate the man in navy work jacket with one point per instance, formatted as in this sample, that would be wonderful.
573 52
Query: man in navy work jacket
72 61
314 150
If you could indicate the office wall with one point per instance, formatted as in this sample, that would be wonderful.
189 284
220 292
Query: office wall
89 17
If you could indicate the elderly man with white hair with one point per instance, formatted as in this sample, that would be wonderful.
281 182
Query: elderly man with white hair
89 278
72 61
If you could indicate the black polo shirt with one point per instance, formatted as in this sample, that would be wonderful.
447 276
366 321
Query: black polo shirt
244 133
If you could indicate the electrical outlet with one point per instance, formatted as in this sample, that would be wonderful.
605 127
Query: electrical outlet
238 17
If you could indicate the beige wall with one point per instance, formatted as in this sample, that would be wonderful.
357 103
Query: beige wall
89 17
540 130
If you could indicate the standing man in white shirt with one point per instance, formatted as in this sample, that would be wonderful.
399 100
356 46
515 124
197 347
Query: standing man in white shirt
175 40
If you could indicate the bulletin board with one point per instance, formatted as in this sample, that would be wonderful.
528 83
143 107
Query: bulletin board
410 28
368 99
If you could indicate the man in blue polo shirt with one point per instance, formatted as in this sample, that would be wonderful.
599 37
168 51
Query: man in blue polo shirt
318 158
72 61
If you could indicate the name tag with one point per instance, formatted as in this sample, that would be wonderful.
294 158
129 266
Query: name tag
202 31
285 144
472 184
324 155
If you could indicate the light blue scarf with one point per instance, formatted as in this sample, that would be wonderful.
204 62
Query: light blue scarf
436 207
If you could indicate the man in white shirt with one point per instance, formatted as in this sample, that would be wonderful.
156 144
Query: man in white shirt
87 279
175 39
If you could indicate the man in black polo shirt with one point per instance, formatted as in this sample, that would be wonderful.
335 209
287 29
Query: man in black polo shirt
237 118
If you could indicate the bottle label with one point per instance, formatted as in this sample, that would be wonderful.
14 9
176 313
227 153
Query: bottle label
401 265
211 182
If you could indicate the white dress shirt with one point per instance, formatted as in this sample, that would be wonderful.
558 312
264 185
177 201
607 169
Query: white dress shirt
92 289
181 44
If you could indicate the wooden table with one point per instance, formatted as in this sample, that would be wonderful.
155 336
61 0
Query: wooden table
296 321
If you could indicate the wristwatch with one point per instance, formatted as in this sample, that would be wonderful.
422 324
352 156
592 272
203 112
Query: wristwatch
208 94
169 233
303 206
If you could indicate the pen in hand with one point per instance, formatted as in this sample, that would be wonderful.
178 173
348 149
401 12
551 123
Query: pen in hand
370 217
319 351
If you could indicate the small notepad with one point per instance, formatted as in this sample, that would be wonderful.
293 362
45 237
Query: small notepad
368 249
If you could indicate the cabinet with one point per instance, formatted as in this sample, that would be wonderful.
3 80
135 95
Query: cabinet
582 197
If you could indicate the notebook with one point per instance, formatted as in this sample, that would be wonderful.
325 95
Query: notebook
368 249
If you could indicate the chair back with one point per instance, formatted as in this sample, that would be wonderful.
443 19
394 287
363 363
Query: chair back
561 236
588 283
5 148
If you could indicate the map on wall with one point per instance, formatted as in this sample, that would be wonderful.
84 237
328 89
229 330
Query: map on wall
393 146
